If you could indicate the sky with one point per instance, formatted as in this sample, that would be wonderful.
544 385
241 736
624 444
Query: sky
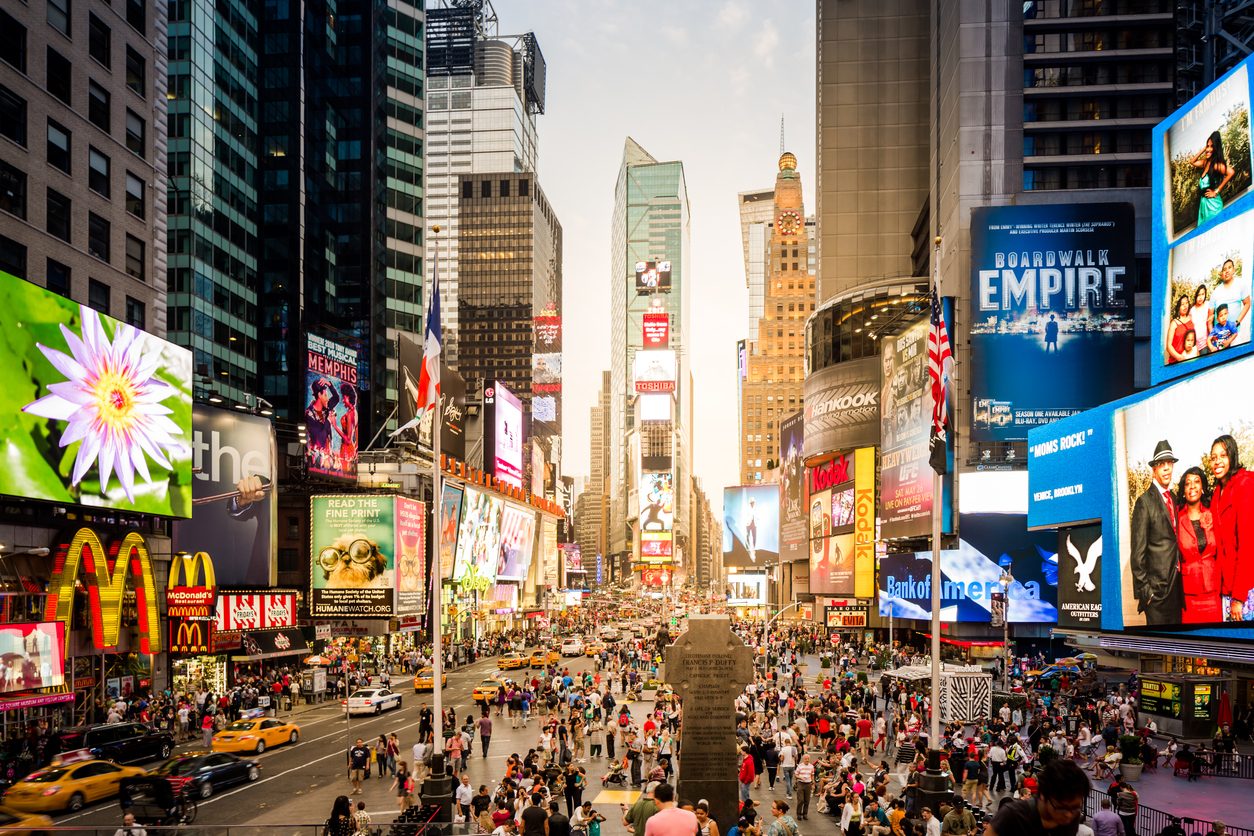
701 82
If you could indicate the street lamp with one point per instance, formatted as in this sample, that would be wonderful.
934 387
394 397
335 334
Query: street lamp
1006 580
42 551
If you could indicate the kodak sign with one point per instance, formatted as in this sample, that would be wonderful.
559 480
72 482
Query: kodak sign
104 575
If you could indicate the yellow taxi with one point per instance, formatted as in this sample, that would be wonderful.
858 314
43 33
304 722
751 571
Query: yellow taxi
255 735
593 648
543 657
68 787
423 681
16 823
510 661
487 689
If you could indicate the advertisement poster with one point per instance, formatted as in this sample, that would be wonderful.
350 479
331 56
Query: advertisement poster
831 564
654 371
32 656
411 547
354 550
657 502
657 325
746 590
792 512
450 523
254 611
518 534
1080 577
503 434
1161 698
905 421
232 458
1051 313
479 543
751 526
842 407
573 556
653 276
98 413
452 400
331 409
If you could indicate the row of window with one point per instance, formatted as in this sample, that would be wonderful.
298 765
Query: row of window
1095 40
1087 177
57 278
59 210
1088 142
1045 9
503 189
1082 75
1097 107
99 112
99 47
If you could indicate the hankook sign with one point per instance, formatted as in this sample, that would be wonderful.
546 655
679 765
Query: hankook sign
842 407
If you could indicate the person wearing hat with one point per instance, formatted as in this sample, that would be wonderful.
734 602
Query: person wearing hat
1155 560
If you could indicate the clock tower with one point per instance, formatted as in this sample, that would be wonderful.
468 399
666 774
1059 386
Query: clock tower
772 388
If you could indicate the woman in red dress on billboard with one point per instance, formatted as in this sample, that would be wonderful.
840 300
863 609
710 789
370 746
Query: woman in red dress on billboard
347 429
1180 325
1233 510
1195 530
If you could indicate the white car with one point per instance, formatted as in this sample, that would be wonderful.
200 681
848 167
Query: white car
372 701
572 647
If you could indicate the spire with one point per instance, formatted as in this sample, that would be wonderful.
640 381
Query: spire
781 134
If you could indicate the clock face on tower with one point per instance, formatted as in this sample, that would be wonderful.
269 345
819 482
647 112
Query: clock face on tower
788 222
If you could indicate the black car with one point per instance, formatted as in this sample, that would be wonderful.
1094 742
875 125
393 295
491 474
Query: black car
120 742
206 772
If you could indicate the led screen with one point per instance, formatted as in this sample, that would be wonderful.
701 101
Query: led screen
792 513
654 371
751 526
546 368
450 524
652 276
32 656
746 590
657 502
544 408
330 408
518 531
479 542
99 412
505 442
411 551
654 407
354 555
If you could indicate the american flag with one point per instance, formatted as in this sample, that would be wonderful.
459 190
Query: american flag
429 376
940 363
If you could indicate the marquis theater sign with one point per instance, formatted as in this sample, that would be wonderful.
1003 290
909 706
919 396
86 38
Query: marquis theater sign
104 574
190 608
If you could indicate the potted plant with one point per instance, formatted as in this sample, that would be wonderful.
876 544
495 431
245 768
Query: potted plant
1130 757
1044 755
825 663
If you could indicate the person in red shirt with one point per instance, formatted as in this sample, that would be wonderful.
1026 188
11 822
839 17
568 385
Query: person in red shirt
649 726
864 738
747 774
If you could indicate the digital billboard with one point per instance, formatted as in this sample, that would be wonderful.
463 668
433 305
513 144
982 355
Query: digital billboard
544 408
654 371
479 542
233 474
99 412
546 369
331 408
656 546
411 552
548 329
652 276
654 407
831 557
1051 313
1080 577
905 425
792 513
503 434
746 590
452 401
450 524
32 656
573 555
842 407
354 555
657 327
655 576
841 508
518 534
657 502
972 572
751 526
254 611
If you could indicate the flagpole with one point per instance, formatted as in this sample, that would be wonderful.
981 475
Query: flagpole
934 741
437 495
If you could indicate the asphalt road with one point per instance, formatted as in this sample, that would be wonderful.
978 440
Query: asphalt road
298 783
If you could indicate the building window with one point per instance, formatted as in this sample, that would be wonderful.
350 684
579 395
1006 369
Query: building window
97 172
58 75
58 146
134 195
98 296
98 36
98 105
135 15
468 189
504 188
485 188
293 528
134 257
12 190
134 132
58 215
523 188
136 70
289 560
98 230
135 313
12 257
12 42
58 278
12 116
59 15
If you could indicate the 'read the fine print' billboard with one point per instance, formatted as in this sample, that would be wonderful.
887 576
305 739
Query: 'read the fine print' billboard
354 555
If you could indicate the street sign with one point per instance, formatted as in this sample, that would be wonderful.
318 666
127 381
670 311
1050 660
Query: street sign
452 611
674 621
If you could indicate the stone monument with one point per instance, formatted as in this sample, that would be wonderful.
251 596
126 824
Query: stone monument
708 666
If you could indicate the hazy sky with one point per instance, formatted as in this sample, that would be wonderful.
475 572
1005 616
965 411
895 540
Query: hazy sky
700 82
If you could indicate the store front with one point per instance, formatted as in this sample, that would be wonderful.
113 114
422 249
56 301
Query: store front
262 651
19 714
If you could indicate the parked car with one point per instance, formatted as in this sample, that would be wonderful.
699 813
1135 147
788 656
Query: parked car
67 787
205 773
120 742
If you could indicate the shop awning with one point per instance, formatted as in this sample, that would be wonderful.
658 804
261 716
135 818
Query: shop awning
271 644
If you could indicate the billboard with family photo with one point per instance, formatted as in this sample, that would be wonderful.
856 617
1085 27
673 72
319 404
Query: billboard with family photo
1201 230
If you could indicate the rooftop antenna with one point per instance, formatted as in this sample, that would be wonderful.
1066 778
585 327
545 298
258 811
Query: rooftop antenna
781 134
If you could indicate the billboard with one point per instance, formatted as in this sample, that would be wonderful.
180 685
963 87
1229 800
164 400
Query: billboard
32 656
452 399
654 371
411 553
905 424
657 502
190 603
544 408
573 556
1080 577
656 547
971 574
792 511
751 526
657 329
503 434
842 407
99 413
450 524
479 542
548 329
841 508
353 540
233 471
1051 313
655 576
254 611
331 410
546 372
654 407
831 556
518 535
746 590
653 276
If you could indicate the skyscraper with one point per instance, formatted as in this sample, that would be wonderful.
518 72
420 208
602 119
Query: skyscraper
650 224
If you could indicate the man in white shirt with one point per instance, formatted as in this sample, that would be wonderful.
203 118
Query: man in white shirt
933 823
464 795
997 757
1004 712
1235 293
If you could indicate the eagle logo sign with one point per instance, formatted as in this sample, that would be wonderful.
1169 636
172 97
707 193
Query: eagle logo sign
1084 567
